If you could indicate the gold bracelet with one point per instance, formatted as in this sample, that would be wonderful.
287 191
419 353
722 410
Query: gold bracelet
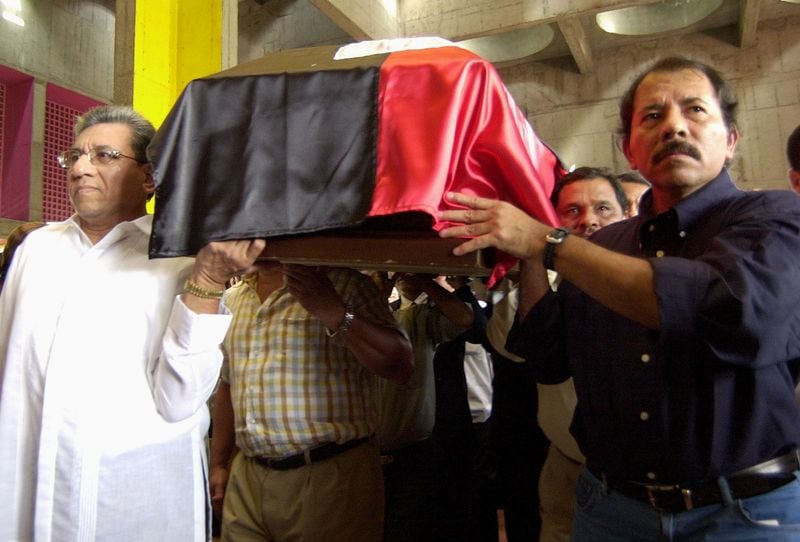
198 291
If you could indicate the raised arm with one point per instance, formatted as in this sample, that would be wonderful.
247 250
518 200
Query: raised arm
622 283
382 350
188 365
215 264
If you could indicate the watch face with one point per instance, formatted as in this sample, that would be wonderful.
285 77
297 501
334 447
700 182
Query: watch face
556 236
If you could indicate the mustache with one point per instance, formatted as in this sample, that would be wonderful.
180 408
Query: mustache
676 147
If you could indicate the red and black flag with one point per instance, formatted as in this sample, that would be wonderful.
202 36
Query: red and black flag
296 143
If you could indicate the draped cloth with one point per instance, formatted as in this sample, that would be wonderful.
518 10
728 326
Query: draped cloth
297 143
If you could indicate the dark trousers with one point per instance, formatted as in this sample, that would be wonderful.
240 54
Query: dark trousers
410 480
520 448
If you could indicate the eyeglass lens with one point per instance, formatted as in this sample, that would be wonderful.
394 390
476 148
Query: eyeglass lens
97 155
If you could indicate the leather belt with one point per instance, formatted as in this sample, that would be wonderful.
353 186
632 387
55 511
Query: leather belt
408 451
314 455
749 482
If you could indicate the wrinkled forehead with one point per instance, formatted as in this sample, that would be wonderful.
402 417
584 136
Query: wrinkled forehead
594 189
106 134
678 85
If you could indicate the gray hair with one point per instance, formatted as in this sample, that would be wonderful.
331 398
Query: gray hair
142 131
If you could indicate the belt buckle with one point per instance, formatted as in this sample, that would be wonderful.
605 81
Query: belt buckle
687 498
654 490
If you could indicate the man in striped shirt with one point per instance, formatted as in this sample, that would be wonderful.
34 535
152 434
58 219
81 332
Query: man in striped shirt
297 399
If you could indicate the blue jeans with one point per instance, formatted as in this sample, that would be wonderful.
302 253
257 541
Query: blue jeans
608 516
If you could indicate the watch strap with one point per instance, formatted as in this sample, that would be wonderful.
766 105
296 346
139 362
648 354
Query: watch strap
552 240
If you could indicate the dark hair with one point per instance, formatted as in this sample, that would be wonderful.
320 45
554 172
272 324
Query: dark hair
632 177
142 130
585 173
793 149
13 241
724 92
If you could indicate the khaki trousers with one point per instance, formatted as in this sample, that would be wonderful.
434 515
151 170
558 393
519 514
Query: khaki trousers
557 495
338 499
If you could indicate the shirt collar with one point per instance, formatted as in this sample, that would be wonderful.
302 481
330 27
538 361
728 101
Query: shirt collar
694 207
143 224
251 279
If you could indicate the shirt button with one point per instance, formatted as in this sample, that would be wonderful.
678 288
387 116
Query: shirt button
652 227
651 475
681 233
659 253
645 358
644 416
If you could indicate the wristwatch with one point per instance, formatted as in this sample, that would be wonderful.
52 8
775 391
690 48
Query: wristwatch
347 321
553 239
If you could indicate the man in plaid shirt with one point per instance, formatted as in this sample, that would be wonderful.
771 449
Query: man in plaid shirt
297 399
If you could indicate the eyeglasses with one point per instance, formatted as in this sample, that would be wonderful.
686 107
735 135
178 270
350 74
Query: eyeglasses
97 155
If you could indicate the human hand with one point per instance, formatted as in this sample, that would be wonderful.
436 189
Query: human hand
218 261
412 285
218 481
384 283
314 291
493 223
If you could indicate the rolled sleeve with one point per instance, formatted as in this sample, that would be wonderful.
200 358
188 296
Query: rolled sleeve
734 298
680 286
540 340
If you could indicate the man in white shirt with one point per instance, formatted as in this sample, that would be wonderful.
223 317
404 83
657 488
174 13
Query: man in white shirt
107 358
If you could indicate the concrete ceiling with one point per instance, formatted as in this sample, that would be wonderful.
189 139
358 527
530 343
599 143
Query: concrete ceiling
577 39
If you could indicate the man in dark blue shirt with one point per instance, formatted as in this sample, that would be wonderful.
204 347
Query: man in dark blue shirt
678 327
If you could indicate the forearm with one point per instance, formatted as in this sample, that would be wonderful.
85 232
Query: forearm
383 351
622 283
187 368
223 441
533 285
453 308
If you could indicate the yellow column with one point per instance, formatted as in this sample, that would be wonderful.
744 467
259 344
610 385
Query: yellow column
175 41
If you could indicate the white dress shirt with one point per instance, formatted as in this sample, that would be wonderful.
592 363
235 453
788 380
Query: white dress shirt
104 374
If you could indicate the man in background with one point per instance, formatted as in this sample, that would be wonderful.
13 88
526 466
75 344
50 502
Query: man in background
431 314
13 241
586 200
634 186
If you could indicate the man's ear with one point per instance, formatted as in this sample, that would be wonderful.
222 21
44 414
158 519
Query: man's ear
794 178
149 183
626 150
733 139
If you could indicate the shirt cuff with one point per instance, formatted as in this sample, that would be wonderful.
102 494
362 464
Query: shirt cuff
197 332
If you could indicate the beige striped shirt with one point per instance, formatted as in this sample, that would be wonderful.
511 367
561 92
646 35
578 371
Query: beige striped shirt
292 386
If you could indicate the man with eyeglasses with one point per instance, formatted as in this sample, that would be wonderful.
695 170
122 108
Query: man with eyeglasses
107 358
